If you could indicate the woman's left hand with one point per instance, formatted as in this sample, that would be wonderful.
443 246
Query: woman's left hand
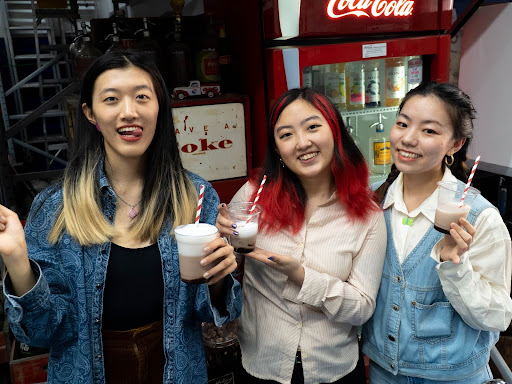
282 263
458 241
220 250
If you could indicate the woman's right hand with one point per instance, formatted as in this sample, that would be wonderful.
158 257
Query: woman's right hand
12 237
13 249
224 224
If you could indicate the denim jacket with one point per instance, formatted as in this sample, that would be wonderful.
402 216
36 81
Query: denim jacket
415 331
63 311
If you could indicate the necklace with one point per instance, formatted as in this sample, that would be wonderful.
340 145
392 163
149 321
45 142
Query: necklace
133 212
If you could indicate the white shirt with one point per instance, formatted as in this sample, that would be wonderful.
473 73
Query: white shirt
343 265
479 286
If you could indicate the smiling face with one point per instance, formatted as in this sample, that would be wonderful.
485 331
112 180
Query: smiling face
422 136
305 142
125 107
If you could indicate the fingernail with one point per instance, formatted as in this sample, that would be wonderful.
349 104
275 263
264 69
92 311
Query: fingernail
206 275
233 225
235 233
202 262
271 258
2 218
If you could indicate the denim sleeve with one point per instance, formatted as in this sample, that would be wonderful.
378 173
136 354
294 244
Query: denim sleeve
233 300
46 315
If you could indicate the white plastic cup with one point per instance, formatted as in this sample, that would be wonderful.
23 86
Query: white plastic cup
192 239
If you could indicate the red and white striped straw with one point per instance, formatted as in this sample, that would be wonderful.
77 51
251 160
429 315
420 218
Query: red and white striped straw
469 181
257 197
199 204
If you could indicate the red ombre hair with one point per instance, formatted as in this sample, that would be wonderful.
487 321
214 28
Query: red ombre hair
284 199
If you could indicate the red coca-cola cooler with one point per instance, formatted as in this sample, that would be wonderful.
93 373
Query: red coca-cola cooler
363 54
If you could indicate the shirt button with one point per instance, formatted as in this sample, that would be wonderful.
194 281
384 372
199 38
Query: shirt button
392 366
99 285
395 307
110 217
301 244
398 278
98 357
413 302
299 324
97 321
390 337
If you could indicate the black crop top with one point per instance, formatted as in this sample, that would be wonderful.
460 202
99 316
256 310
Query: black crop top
134 288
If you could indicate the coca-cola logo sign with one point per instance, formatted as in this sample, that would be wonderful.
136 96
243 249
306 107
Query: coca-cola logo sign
369 8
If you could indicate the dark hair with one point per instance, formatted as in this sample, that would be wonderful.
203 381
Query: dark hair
167 190
461 112
284 199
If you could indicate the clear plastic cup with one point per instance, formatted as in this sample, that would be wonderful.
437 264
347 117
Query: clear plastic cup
246 225
448 201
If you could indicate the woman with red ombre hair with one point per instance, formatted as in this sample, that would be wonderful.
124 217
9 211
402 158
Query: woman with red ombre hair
314 274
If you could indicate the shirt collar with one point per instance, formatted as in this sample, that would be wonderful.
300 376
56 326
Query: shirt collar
395 196
103 176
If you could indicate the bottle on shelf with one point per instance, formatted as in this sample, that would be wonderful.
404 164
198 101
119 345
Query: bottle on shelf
355 86
207 58
86 53
340 67
414 72
372 83
116 44
395 81
352 132
226 67
307 77
332 84
318 78
147 45
380 149
180 63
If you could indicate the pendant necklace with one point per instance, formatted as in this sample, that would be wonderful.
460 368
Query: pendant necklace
133 212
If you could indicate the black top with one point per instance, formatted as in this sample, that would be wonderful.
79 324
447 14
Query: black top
134 288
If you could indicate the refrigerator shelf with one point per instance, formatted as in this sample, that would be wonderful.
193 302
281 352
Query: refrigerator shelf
368 111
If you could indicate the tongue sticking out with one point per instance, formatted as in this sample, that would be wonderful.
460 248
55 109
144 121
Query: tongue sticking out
132 132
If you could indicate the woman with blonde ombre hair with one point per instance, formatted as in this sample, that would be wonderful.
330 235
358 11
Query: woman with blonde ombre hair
95 277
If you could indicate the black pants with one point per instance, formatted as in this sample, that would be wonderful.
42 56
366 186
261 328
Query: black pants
357 376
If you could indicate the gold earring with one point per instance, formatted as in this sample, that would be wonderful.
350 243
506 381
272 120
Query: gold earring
446 160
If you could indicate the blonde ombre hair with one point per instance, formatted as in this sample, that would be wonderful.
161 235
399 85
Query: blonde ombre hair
168 192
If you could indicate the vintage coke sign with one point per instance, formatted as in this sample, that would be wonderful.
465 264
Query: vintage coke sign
369 8
211 140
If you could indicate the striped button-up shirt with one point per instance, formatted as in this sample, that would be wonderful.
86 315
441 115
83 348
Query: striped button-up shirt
343 262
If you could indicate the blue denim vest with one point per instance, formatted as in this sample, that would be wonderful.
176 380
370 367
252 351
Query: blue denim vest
415 331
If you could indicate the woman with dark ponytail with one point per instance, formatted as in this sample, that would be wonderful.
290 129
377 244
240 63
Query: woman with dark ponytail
443 299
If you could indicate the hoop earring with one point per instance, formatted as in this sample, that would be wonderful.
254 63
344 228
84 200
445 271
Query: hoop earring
451 160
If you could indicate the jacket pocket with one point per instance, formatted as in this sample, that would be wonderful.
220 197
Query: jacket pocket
432 323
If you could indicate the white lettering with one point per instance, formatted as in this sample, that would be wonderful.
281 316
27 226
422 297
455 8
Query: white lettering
342 8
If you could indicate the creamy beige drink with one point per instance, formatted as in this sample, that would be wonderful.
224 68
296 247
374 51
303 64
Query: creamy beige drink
447 213
448 201
246 239
192 239
246 220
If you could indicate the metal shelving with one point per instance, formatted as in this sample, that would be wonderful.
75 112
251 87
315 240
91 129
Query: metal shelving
34 115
